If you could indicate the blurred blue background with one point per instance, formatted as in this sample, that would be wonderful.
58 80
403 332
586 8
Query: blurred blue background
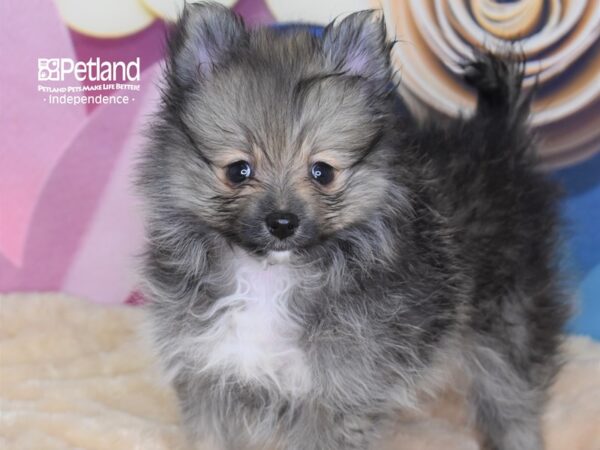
581 208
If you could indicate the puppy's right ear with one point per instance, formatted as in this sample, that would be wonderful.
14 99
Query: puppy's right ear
203 36
357 45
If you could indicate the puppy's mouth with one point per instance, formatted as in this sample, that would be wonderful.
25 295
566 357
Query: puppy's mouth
280 246
266 247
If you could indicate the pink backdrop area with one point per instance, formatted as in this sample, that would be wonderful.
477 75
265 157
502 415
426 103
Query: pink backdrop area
69 220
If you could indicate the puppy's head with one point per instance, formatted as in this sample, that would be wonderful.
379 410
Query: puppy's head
275 139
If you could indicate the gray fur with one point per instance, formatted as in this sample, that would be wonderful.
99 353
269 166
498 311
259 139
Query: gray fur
433 248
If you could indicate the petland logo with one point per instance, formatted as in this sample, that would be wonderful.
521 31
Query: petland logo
96 75
55 69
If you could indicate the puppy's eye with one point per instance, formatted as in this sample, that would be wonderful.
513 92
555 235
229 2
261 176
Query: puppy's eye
322 173
238 171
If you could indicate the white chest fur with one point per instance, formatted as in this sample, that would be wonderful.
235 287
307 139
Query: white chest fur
254 336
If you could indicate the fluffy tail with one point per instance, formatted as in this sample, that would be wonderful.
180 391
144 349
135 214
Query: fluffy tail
498 81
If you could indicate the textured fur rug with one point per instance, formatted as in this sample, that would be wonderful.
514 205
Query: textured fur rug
75 376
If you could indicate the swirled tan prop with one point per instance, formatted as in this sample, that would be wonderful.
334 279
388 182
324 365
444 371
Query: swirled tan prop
560 40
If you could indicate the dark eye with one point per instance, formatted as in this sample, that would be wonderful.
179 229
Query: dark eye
238 171
322 173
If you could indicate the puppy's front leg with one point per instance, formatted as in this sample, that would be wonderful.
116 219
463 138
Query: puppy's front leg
333 431
507 407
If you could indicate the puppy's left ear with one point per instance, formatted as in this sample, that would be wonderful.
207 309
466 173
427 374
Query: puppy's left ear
358 45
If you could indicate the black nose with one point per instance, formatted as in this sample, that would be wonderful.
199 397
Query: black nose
282 224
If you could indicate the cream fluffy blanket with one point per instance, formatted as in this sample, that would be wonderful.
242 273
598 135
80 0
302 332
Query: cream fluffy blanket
75 376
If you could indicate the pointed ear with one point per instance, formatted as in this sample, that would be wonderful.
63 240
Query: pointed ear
358 45
203 36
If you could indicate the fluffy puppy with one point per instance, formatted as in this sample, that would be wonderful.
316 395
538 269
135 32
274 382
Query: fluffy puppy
316 260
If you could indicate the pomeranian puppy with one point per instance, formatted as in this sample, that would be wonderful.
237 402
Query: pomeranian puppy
316 261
